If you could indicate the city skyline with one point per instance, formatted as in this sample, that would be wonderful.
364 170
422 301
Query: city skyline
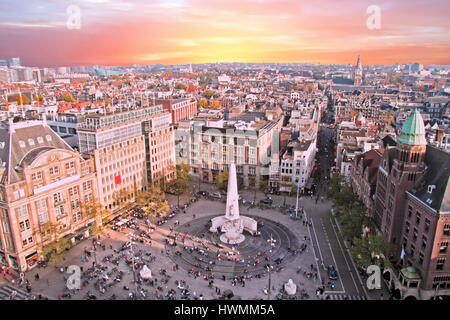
114 32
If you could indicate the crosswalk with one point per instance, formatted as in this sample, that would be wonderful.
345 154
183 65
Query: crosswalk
6 293
344 297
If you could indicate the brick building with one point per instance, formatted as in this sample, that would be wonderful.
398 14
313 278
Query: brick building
412 207
181 109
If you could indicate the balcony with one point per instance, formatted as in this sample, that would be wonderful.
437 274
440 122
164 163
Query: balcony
61 216
59 202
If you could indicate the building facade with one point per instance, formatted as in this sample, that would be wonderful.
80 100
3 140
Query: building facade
180 109
210 147
118 143
44 183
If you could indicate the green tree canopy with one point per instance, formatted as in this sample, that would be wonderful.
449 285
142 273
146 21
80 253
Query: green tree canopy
180 86
367 250
209 93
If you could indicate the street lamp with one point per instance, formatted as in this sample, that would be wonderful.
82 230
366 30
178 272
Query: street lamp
272 244
133 263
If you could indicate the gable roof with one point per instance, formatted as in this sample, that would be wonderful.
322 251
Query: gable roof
21 144
437 173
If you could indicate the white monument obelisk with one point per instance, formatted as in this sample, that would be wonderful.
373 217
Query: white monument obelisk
232 224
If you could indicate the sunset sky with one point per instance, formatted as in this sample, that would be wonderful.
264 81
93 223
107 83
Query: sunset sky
122 32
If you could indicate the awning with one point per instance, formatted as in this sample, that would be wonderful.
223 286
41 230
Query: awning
310 183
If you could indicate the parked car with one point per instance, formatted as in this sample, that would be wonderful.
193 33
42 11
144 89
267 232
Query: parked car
202 193
332 273
266 201
216 195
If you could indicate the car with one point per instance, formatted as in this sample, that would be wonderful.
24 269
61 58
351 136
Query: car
332 273
266 201
216 195
202 193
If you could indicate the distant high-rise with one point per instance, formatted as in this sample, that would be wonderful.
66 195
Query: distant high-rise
14 62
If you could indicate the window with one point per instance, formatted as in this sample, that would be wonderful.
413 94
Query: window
446 230
424 242
443 248
54 170
41 204
75 204
417 218
421 256
36 176
73 191
427 225
59 212
43 217
22 211
27 224
57 197
440 264
70 165
77 217
22 226
407 227
415 234
31 142
88 198
413 249
410 210
30 240
48 137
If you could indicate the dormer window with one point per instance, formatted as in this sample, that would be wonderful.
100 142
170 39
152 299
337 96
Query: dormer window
31 142
40 140
22 144
431 188
48 137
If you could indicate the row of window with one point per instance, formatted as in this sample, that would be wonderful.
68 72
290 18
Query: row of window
31 143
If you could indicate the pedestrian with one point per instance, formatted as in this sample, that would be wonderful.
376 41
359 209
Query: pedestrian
82 259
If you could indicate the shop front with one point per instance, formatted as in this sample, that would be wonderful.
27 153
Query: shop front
31 260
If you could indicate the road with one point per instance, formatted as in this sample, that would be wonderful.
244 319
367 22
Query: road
328 244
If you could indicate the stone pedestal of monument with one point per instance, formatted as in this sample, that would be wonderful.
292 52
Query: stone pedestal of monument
232 225
290 287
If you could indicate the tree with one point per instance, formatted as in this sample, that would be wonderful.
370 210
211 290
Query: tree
122 198
153 202
67 97
214 105
203 103
180 86
222 181
182 185
370 250
55 247
151 193
191 88
16 97
208 93
95 210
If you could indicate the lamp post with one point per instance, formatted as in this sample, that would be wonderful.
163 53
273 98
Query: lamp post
296 204
133 263
272 244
